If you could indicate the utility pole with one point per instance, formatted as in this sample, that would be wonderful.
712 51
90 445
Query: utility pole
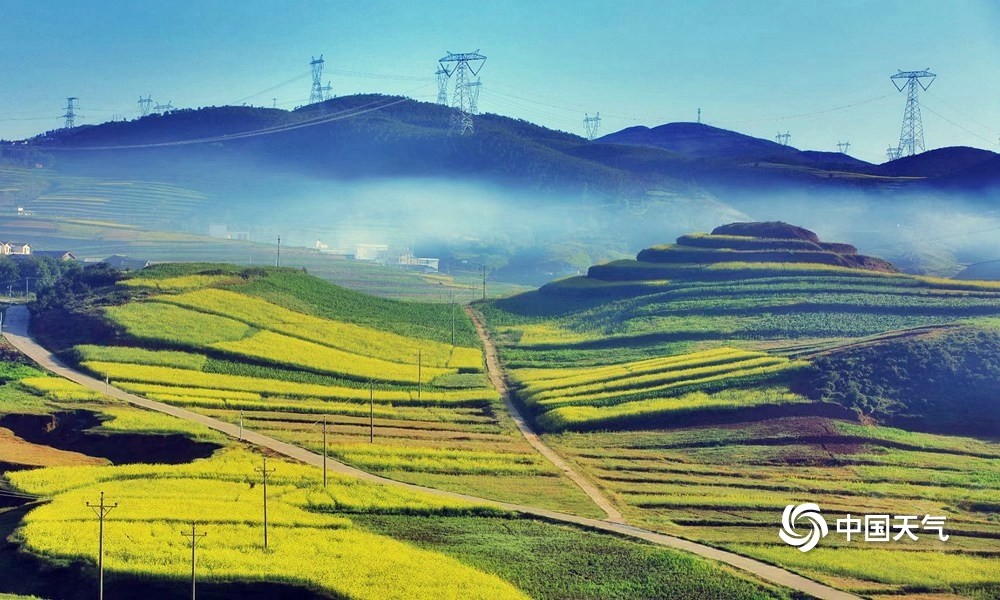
420 366
483 269
101 510
699 114
194 542
324 451
264 471
107 385
241 424
277 257
453 318
371 411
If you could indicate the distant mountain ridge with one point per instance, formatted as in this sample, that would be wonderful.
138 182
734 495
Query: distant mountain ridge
375 135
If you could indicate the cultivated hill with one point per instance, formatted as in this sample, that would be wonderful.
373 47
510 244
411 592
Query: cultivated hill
765 287
710 383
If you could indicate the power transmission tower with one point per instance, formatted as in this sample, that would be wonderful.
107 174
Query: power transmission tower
264 471
442 81
892 153
843 147
327 91
72 105
316 95
782 138
194 543
911 136
145 104
102 511
461 65
474 88
592 124
162 108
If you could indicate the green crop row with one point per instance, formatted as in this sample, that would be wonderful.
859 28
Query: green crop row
708 380
647 413
140 356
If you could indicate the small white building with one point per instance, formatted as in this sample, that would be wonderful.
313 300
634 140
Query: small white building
408 260
14 248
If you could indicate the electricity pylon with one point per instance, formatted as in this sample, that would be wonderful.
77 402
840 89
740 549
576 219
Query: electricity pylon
911 135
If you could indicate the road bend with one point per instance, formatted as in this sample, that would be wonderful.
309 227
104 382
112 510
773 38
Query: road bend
16 332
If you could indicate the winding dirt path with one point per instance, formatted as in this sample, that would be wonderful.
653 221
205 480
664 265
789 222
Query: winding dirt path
15 327
499 381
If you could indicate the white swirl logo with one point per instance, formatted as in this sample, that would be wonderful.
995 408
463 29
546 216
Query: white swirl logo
809 511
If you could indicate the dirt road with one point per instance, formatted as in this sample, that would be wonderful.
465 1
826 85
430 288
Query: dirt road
16 332
499 381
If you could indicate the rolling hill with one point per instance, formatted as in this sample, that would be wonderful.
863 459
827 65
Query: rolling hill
365 169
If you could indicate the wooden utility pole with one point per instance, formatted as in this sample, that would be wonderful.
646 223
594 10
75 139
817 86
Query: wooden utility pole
264 471
371 411
324 451
194 542
420 367
102 511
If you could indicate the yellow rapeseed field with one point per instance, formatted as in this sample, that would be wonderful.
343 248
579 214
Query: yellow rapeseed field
306 546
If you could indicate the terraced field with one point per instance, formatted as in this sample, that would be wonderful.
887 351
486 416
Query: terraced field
348 538
682 384
260 348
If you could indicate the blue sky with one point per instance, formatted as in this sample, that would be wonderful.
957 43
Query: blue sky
755 67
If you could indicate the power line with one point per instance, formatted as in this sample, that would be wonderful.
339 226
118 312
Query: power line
970 132
272 88
346 114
